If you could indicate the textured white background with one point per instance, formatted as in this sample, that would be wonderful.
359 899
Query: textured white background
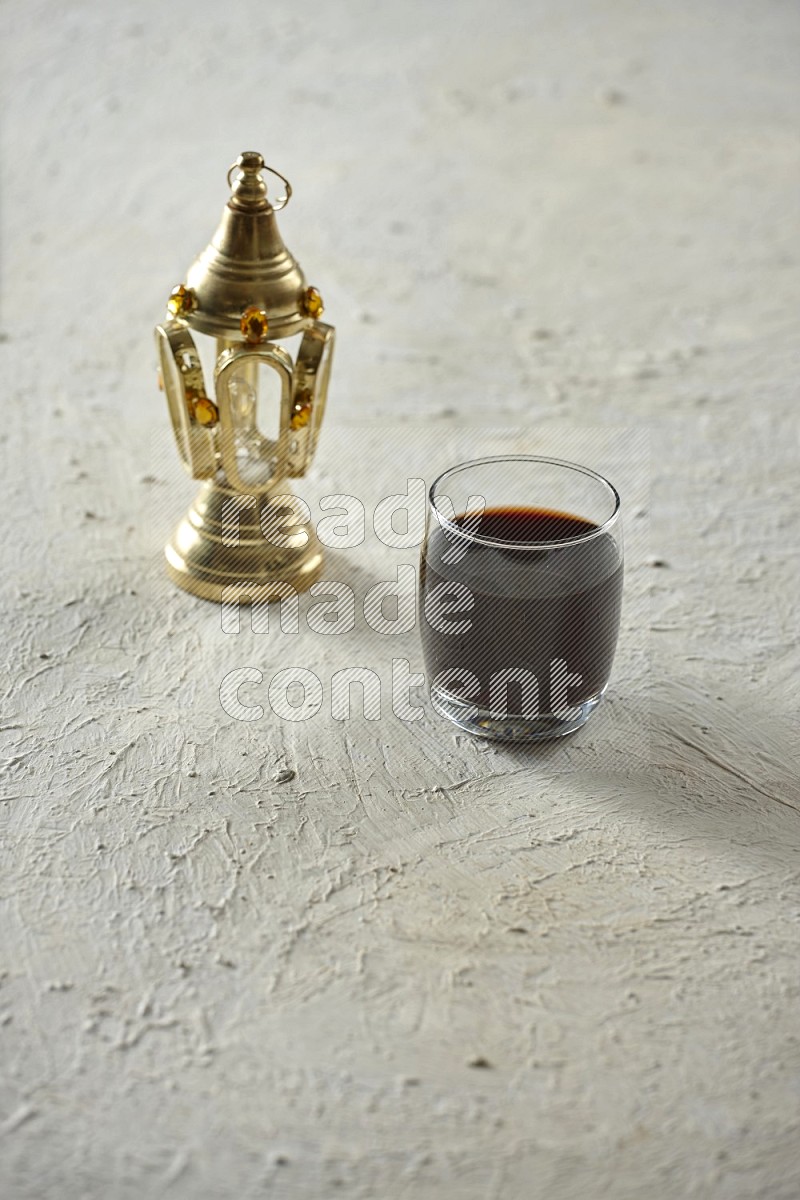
563 228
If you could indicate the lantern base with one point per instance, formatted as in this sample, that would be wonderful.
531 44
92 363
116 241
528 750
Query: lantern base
220 550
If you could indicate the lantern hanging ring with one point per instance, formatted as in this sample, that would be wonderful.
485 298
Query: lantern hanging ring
282 201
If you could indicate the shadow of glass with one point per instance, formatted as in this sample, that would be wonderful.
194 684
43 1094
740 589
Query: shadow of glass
711 771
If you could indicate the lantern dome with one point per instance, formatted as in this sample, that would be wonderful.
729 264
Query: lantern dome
246 266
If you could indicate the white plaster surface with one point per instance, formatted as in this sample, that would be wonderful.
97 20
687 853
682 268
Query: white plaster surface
562 228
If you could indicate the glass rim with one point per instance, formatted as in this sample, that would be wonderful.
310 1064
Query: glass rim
533 543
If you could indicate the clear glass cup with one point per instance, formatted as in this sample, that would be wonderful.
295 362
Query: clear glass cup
520 594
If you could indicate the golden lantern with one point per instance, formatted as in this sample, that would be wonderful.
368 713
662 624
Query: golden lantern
245 536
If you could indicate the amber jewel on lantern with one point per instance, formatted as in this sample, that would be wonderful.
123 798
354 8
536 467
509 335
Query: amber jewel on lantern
312 303
182 300
204 411
254 324
301 410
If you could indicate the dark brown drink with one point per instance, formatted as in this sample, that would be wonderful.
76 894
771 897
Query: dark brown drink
548 610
